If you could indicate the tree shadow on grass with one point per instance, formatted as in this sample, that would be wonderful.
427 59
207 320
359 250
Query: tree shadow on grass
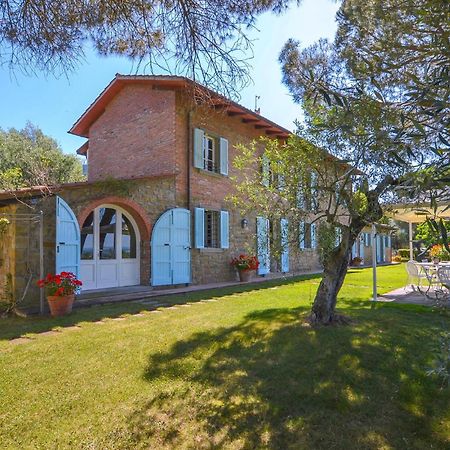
272 382
14 327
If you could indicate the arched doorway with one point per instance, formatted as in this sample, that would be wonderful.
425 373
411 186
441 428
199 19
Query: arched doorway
110 244
171 248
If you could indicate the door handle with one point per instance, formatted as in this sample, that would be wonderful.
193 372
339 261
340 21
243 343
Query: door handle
187 248
61 243
166 244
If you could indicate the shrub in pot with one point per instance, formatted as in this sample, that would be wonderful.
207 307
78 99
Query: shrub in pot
245 265
356 261
61 289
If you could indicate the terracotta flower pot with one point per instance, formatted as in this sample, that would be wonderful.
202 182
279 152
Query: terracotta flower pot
60 306
245 275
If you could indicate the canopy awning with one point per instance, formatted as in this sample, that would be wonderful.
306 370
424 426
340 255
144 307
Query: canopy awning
417 212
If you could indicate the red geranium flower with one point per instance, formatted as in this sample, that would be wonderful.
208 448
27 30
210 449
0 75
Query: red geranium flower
65 283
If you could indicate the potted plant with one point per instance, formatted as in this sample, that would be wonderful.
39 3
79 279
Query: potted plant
438 253
61 290
245 265
356 261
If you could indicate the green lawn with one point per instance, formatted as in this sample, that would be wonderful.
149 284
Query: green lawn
243 371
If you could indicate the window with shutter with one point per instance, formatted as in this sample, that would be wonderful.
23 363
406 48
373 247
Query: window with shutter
223 156
307 235
210 152
198 148
284 225
224 229
199 228
313 235
212 230
265 169
314 191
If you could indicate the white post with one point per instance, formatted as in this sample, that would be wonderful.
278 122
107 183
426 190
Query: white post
374 262
41 260
411 250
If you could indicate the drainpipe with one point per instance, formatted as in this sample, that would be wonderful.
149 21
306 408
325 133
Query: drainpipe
189 159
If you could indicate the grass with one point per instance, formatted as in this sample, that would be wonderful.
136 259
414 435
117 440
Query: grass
242 372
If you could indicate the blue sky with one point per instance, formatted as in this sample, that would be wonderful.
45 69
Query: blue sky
55 104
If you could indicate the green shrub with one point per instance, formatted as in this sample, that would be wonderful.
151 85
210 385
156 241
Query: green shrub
403 252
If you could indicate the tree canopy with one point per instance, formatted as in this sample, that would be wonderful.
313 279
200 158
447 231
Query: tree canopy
205 40
378 99
30 158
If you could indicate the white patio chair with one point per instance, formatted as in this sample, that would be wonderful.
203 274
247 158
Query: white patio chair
443 275
442 295
415 274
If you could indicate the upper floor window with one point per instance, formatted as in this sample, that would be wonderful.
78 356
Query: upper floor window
210 152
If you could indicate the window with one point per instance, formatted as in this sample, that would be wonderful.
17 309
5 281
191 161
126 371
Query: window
87 237
307 235
107 233
212 229
128 239
210 154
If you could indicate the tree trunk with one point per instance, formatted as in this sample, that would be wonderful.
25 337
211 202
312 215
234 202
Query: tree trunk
336 264
335 269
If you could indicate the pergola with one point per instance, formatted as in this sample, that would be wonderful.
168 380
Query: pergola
409 213
417 213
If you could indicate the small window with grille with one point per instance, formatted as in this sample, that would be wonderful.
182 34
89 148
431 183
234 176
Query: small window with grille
212 229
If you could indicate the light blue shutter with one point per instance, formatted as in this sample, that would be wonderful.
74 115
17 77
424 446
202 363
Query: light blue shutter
223 156
314 201
301 235
281 179
265 171
67 239
313 235
338 233
355 249
224 227
284 224
389 243
300 196
198 148
361 246
262 239
199 228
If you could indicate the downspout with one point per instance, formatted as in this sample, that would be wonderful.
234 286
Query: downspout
189 159
189 165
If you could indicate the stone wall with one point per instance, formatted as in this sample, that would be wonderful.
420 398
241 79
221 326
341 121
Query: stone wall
21 249
7 253
144 199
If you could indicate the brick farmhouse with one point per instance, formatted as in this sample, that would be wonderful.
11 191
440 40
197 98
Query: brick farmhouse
154 208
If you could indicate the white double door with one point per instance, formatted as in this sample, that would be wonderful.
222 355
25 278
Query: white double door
110 245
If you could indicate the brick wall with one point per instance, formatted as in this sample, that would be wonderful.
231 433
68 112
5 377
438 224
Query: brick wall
135 136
